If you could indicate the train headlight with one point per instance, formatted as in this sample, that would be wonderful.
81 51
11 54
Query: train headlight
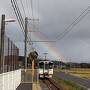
40 71
50 71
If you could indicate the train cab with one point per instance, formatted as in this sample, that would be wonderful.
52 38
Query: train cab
45 69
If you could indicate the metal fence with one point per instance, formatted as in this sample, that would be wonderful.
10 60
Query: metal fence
11 54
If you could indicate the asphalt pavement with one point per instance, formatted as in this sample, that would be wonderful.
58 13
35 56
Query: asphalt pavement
80 81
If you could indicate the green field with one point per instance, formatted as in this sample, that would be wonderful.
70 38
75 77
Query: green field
67 85
79 72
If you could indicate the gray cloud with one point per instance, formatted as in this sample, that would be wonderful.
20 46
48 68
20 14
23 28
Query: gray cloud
55 16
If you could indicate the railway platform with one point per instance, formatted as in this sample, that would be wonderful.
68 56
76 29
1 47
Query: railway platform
27 82
29 86
24 86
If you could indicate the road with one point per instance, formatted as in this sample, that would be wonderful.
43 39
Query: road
80 81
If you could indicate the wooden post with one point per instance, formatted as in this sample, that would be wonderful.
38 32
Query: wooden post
32 71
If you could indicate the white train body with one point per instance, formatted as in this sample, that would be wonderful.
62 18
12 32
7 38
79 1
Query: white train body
45 69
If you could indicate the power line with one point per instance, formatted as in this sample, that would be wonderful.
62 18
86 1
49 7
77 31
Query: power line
32 18
28 7
73 24
25 16
32 13
23 8
21 21
34 27
18 14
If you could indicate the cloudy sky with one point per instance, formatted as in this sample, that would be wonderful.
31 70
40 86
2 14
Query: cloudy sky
54 17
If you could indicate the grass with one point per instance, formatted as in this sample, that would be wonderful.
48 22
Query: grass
79 72
67 85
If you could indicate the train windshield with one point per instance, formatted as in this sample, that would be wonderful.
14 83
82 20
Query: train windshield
46 66
50 65
41 65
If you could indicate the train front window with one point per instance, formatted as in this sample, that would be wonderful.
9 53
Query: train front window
50 65
46 66
41 65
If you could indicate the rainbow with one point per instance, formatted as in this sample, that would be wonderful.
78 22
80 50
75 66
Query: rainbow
53 52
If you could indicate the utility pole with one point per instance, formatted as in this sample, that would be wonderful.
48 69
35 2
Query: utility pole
2 42
25 51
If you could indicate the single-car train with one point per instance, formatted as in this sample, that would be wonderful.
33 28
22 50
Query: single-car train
45 69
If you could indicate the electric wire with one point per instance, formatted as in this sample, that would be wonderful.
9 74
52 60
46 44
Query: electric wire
29 39
28 8
31 43
23 8
30 13
37 21
75 22
25 15
18 15
66 32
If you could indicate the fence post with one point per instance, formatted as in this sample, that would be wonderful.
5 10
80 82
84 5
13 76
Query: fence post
2 42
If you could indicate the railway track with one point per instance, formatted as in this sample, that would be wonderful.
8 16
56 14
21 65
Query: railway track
51 84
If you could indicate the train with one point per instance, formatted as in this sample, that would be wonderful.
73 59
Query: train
45 69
